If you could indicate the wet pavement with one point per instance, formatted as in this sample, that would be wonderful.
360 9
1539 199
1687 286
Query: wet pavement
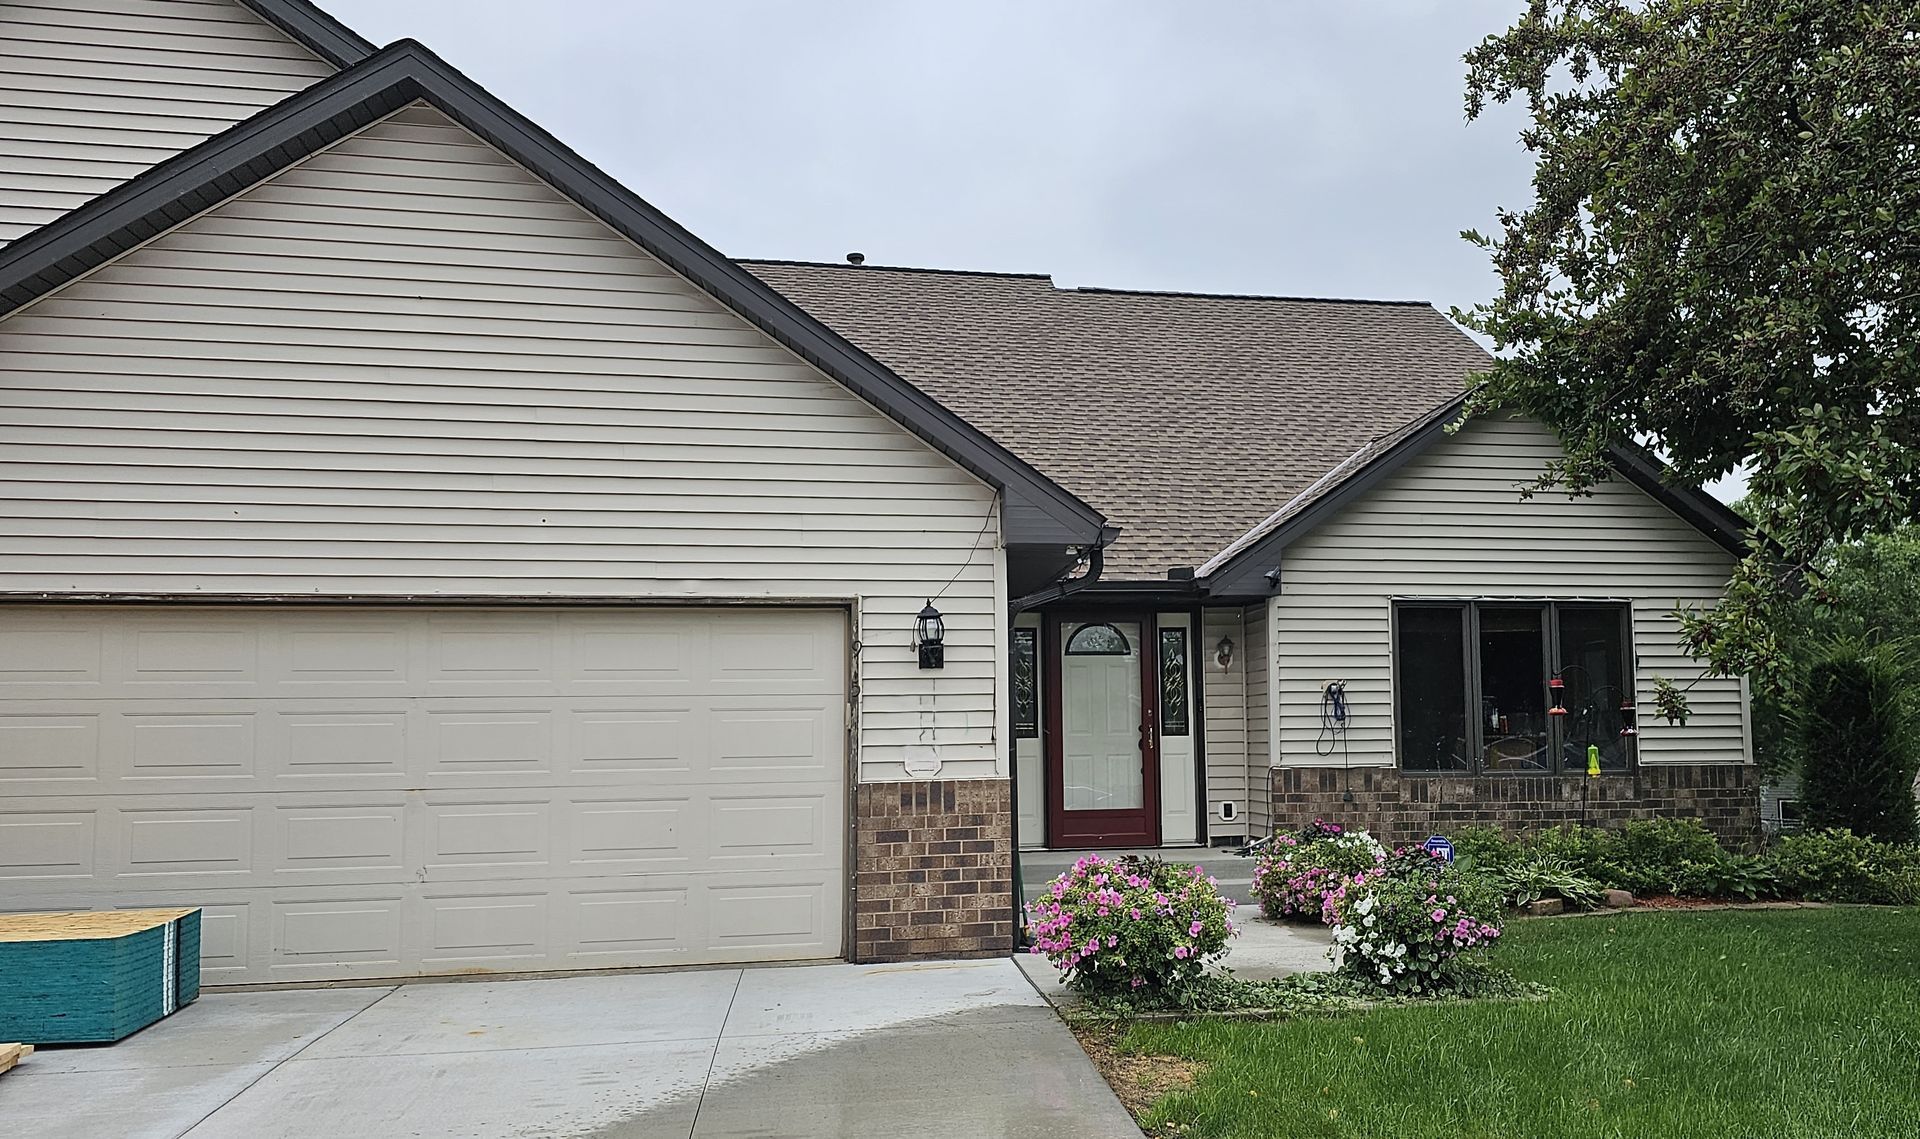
953 1049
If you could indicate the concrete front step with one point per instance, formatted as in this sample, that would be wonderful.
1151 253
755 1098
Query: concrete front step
1234 873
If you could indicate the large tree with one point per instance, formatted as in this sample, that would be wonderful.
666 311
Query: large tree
1722 261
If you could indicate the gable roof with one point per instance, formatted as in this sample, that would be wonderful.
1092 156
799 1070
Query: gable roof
1251 565
1184 417
316 31
1037 511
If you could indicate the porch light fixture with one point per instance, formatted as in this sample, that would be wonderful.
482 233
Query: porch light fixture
929 630
1223 653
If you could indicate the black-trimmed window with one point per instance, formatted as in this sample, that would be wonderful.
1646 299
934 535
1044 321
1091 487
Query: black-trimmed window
1026 684
1471 686
1174 716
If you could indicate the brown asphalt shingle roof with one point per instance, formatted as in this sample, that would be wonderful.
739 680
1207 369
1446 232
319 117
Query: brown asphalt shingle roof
1186 419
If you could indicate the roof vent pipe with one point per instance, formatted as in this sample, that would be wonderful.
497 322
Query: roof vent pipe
856 259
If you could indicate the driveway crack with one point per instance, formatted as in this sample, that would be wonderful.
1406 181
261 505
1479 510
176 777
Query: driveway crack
713 1061
217 1108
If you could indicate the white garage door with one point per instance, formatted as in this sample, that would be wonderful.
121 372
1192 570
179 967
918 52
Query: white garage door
378 792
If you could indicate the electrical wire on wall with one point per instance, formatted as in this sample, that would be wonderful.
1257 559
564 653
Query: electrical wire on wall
1334 722
929 734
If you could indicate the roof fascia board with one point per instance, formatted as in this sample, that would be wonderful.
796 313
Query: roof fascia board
1042 512
1254 571
1709 515
316 31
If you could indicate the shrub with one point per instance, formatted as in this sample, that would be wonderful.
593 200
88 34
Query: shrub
1414 924
1487 849
1131 926
1644 856
1545 876
1651 853
1854 729
1740 877
1840 866
1588 850
1295 875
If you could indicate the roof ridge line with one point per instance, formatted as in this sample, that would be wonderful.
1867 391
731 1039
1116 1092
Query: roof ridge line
864 268
802 263
1246 296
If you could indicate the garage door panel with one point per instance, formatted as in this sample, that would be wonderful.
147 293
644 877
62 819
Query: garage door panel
352 744
58 749
52 848
761 738
491 930
632 834
770 828
663 659
340 842
322 657
336 934
766 916
45 656
183 844
468 741
226 940
625 740
228 656
462 653
624 922
166 747
360 793
493 837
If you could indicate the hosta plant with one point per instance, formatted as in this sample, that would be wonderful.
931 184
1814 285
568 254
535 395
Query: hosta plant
1545 876
1299 872
1415 925
1740 877
1131 926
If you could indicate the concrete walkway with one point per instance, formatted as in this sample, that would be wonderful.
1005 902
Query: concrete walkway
1263 950
1233 873
957 1049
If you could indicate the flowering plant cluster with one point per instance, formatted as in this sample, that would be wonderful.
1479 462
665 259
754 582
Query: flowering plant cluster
1414 923
1131 926
1301 871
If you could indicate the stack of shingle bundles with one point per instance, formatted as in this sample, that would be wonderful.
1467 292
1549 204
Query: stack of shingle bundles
94 977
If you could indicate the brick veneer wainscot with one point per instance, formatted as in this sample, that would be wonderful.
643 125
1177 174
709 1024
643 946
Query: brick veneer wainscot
933 869
1401 808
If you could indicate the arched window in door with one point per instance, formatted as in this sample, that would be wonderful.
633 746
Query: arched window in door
1098 640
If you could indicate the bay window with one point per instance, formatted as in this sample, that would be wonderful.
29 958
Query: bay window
1474 686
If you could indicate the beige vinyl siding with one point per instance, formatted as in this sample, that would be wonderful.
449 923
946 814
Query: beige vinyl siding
1451 524
1225 693
408 367
92 92
1259 656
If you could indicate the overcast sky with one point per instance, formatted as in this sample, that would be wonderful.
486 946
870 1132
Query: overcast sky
1306 147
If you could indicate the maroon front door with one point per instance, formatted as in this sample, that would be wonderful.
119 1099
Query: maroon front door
1103 742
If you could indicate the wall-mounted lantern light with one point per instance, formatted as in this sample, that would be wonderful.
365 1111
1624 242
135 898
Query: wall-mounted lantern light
930 631
1223 653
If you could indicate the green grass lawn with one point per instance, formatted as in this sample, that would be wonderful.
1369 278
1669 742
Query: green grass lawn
1742 1024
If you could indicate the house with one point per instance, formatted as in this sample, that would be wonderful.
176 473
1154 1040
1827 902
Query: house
428 558
1322 601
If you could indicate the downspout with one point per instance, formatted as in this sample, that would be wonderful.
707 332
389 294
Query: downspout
1096 561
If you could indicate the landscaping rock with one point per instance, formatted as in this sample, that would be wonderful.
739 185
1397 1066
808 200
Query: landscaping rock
1546 906
1616 899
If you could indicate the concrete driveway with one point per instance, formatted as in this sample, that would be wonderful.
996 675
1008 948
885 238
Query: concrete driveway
956 1049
